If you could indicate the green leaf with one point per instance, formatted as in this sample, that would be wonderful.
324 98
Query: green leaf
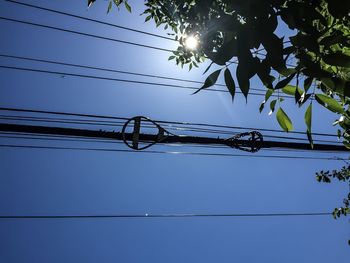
337 59
171 57
284 121
268 94
243 80
109 7
272 106
148 18
127 6
328 82
210 81
346 144
329 103
308 122
262 105
230 83
206 70
309 137
307 84
225 52
308 117
290 90
116 2
284 82
297 96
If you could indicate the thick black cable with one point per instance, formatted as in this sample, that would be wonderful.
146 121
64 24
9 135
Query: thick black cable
111 216
157 121
67 138
90 19
113 70
173 128
117 124
170 152
84 34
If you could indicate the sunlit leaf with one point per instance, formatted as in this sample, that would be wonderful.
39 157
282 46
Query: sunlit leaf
290 90
283 120
308 122
329 103
109 7
127 6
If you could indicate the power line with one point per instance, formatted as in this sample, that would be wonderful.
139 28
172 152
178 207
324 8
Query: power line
104 38
158 121
258 52
111 216
112 70
244 141
120 124
118 80
91 35
171 152
67 138
90 20
84 34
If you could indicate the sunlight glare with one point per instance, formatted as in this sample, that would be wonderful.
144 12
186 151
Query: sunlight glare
191 42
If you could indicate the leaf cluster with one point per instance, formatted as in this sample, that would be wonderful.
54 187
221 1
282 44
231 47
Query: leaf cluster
244 30
112 3
342 175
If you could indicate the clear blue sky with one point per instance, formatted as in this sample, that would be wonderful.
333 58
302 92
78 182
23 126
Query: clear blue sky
34 182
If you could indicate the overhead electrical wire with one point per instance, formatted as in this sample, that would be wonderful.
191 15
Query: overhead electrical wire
99 37
157 121
67 138
111 70
258 52
90 20
59 73
192 215
121 124
169 152
84 34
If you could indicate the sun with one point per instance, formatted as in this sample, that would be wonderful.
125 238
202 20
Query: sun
191 42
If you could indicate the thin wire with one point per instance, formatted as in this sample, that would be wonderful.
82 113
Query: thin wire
170 152
90 19
95 36
119 80
162 215
258 52
112 70
84 34
158 121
